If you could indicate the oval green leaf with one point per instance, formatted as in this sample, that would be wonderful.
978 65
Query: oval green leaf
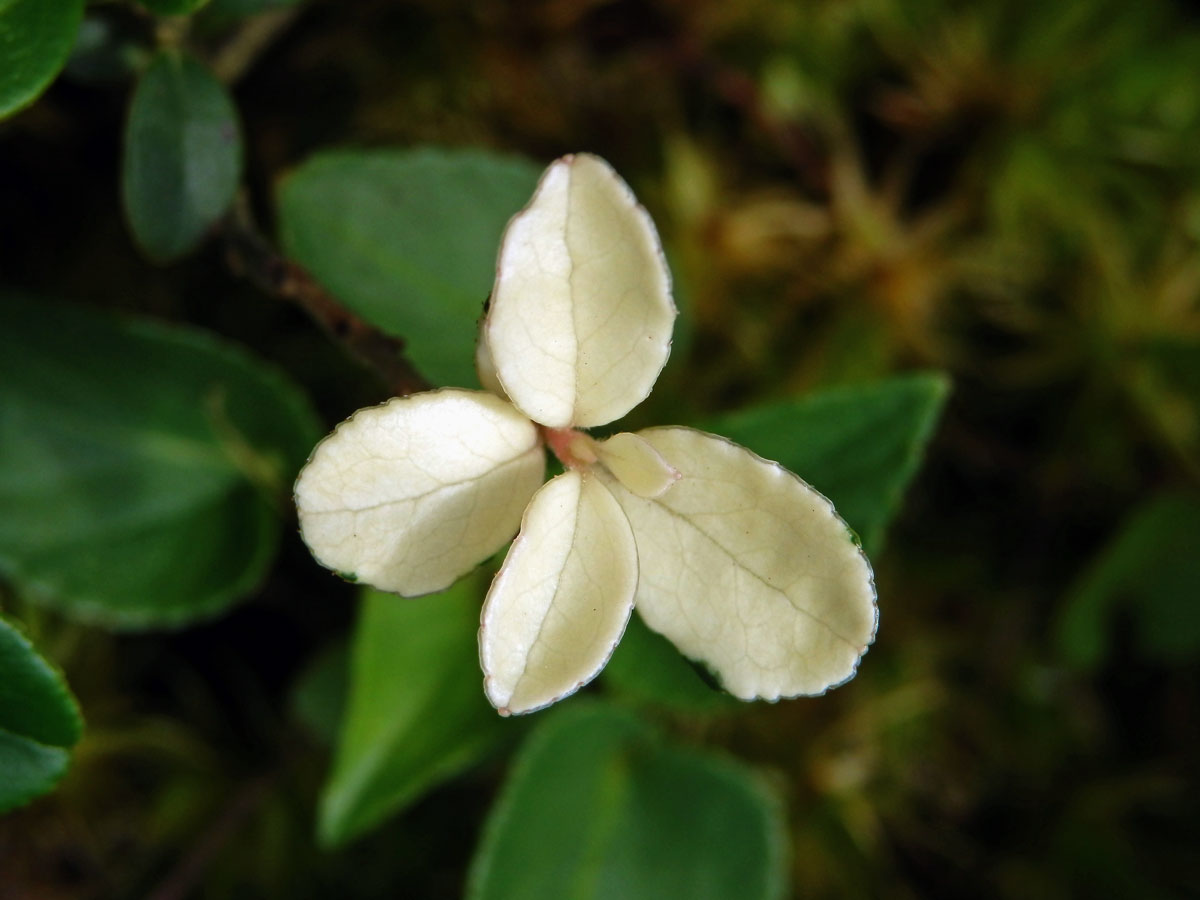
598 808
36 38
183 155
39 721
646 668
144 470
858 445
408 241
415 715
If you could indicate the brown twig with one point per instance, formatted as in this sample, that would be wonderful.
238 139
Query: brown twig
252 256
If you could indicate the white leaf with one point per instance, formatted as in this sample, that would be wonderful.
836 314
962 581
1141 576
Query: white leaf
580 319
561 601
636 464
410 495
749 569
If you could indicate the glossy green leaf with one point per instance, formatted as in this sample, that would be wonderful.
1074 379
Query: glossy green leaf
858 445
1151 571
39 721
408 241
416 714
183 155
35 40
144 470
172 7
597 807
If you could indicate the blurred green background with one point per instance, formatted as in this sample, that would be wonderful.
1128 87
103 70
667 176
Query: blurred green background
1006 192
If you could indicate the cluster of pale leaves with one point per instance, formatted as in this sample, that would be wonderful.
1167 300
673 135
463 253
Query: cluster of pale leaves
733 558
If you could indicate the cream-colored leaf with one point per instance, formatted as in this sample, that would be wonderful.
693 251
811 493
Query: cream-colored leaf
410 495
560 603
747 568
637 465
580 319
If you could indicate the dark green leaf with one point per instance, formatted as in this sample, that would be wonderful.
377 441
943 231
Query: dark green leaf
183 155
647 668
597 807
408 240
1151 569
35 41
859 445
39 721
416 714
144 470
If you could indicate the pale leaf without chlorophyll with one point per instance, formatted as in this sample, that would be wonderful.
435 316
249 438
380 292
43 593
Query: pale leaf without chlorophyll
737 561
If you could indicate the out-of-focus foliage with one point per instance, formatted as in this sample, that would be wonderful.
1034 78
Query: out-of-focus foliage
172 7
37 38
39 721
218 8
183 155
1007 191
597 806
142 467
1148 576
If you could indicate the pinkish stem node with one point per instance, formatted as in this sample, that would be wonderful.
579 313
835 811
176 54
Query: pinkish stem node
574 449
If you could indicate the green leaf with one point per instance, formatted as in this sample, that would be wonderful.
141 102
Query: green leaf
416 714
39 721
35 41
172 7
647 668
408 241
597 807
183 155
143 468
1152 570
858 445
